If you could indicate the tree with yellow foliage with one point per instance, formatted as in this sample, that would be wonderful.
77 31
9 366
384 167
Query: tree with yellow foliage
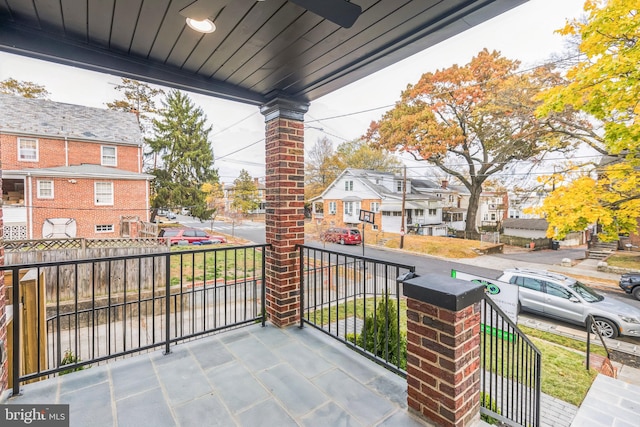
605 85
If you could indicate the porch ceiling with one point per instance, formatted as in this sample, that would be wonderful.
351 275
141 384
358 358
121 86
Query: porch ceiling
261 49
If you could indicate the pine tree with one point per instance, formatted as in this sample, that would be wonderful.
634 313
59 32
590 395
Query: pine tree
181 140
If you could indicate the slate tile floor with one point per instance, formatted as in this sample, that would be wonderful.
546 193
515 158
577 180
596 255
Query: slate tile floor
251 376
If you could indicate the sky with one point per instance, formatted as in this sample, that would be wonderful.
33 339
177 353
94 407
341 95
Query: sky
525 33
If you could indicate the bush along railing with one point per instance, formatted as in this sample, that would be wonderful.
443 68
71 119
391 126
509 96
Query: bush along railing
357 301
510 376
77 313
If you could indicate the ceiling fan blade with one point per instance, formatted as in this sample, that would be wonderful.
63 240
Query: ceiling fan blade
340 12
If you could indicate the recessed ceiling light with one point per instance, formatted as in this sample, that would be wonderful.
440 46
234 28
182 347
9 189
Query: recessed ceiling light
204 26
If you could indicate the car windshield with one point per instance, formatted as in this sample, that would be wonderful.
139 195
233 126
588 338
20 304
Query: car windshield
588 294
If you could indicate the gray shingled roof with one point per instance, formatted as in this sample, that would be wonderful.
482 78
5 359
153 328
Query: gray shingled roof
526 224
82 171
40 117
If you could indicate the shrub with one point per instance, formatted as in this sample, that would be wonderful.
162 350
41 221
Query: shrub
381 333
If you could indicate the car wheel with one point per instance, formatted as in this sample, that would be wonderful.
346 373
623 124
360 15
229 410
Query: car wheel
636 292
342 241
608 329
519 308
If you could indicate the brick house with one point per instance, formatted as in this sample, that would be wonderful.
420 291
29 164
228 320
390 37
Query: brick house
379 192
70 170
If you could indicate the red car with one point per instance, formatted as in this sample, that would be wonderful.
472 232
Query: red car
189 236
344 236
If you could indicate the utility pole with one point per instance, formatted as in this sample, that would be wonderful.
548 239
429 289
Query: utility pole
404 196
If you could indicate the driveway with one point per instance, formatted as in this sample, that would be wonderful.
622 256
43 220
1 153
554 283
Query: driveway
545 256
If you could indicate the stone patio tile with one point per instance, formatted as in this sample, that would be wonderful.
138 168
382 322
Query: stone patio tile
253 353
182 379
303 359
297 394
207 411
329 415
236 387
148 408
133 376
266 413
90 406
367 406
210 353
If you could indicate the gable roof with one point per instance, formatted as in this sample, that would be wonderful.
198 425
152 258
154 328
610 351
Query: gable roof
39 117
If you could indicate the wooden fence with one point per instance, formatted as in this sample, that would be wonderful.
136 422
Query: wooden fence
91 279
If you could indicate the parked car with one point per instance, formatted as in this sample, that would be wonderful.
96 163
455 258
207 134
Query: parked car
189 236
344 236
166 213
557 296
185 211
630 283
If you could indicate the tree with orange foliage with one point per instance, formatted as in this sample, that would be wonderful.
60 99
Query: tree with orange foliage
473 121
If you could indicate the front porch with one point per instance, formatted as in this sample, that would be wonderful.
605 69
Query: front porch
249 376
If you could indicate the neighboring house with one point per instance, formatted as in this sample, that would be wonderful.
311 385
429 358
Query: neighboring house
492 209
229 191
528 228
454 200
381 193
70 171
522 204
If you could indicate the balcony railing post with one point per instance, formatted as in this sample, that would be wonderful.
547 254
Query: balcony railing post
15 273
301 252
167 303
443 349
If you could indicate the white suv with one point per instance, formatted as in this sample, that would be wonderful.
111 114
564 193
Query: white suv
561 297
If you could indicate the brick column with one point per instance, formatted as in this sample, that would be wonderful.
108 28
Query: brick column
284 220
443 349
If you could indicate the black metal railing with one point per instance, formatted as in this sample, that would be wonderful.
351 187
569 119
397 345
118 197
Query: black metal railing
511 370
71 314
356 300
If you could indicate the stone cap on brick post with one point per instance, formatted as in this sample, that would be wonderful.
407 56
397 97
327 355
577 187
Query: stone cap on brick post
443 349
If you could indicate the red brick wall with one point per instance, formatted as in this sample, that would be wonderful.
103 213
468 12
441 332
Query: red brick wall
77 201
51 153
443 363
284 218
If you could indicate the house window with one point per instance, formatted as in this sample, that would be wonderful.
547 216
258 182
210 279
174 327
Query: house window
386 213
374 227
450 198
375 206
348 186
109 156
396 213
104 228
399 186
28 149
45 189
104 193
419 212
348 208
332 208
433 212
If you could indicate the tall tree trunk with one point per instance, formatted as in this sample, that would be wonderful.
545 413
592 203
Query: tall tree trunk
472 210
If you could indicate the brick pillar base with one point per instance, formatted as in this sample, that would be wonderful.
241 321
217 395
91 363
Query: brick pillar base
284 219
443 349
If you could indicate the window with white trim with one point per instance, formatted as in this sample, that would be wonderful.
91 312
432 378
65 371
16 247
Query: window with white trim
433 212
103 192
348 208
375 207
104 228
332 208
399 186
109 156
45 189
348 186
419 212
28 149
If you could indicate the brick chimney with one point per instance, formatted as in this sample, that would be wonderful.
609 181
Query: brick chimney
445 183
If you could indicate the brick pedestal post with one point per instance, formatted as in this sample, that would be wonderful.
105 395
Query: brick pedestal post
284 219
443 349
